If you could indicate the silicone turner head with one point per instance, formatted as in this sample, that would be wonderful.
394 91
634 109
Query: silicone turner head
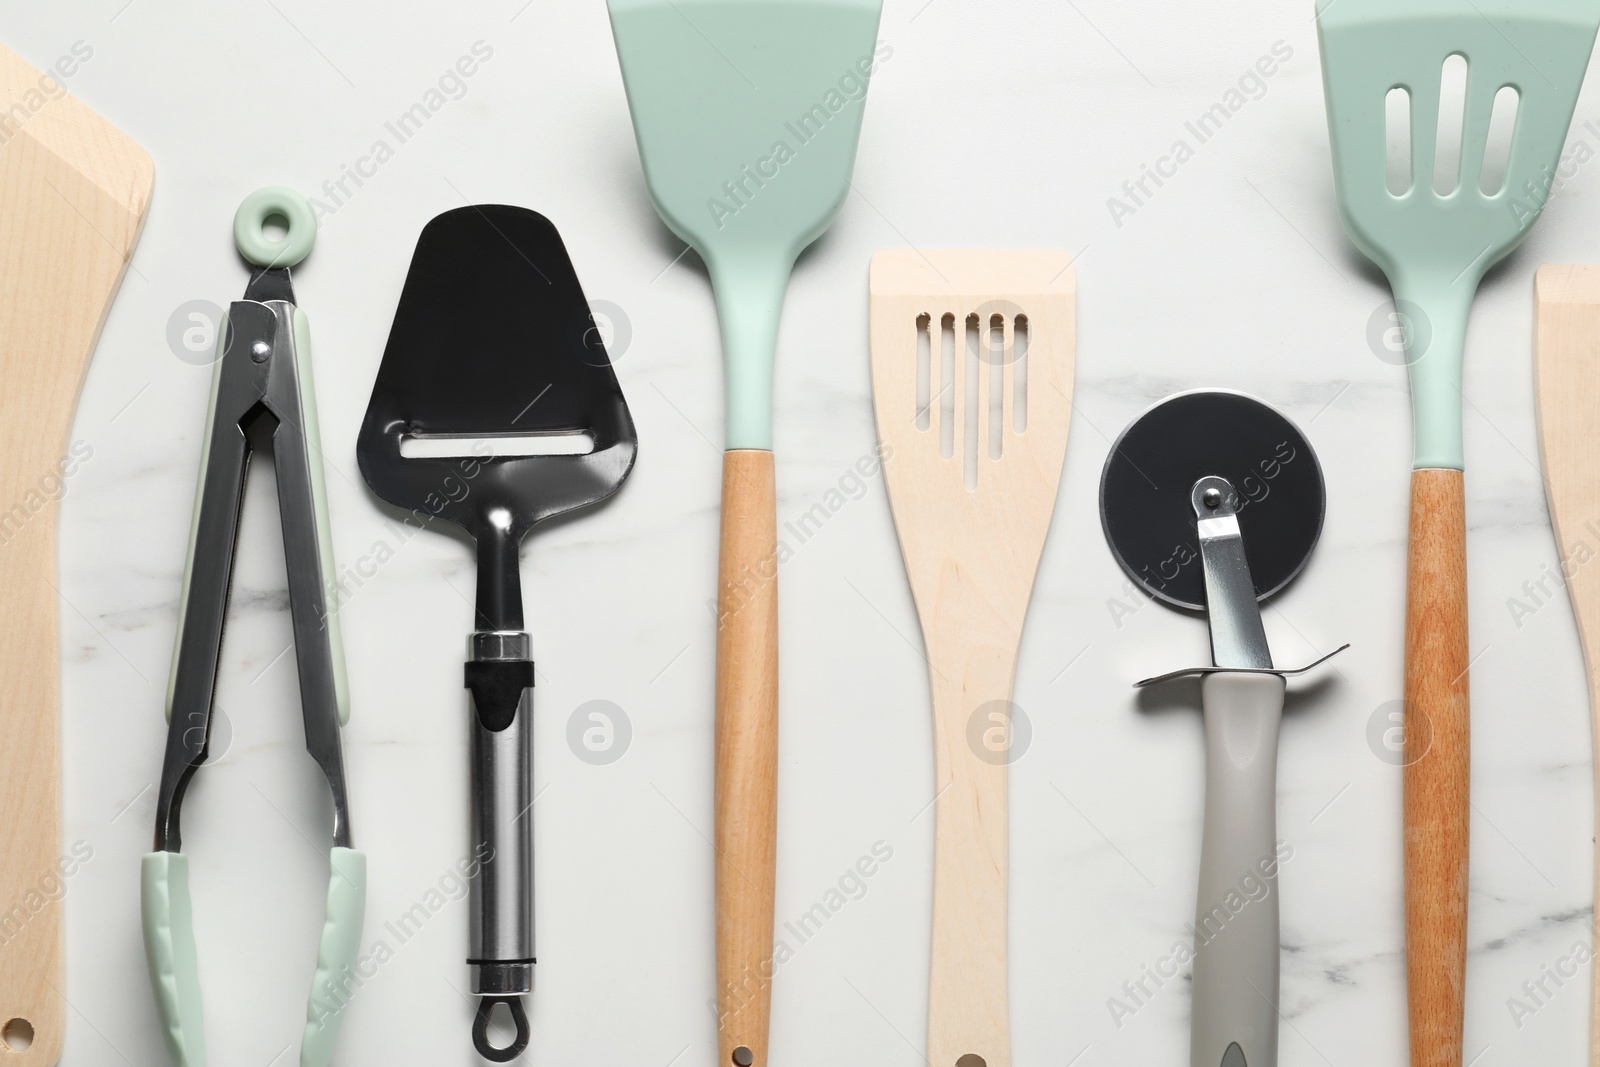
1435 246
1145 505
493 339
747 114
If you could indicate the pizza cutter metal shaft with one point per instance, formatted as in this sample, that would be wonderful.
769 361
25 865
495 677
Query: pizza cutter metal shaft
1237 637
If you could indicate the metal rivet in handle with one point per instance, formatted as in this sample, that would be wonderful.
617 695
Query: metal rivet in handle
260 351
743 1057
972 1059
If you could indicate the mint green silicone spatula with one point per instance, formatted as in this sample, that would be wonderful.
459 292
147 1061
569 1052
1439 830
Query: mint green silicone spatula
747 114
1435 230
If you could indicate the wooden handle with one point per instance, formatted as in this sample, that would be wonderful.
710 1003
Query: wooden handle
1567 388
747 755
968 1023
1437 764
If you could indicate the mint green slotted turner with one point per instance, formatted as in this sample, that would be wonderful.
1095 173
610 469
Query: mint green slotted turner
747 114
1435 248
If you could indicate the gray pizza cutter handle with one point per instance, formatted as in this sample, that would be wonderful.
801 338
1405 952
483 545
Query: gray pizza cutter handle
1236 919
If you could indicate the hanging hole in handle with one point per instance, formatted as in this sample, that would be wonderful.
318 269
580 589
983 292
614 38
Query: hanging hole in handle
17 1035
480 1029
972 1059
275 227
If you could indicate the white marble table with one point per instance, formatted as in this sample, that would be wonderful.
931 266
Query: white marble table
990 124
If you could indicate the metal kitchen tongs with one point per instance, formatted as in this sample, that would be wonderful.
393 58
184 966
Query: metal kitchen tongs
263 371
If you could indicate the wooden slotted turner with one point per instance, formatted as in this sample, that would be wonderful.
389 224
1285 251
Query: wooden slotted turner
972 356
1567 388
73 191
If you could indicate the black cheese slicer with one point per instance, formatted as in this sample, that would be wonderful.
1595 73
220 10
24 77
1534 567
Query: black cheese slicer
496 407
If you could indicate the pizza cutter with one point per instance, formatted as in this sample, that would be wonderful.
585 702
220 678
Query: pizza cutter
1212 501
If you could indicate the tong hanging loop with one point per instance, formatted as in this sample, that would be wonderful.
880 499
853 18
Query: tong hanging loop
250 222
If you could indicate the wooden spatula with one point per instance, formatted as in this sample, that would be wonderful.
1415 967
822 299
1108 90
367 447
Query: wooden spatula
972 355
1567 386
73 191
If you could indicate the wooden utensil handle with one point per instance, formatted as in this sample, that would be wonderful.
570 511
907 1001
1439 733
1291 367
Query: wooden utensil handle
968 1018
1437 761
1567 387
746 755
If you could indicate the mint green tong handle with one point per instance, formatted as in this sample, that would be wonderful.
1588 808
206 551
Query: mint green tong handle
174 972
169 950
333 981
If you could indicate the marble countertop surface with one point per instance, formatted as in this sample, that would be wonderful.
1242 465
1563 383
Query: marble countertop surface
1006 124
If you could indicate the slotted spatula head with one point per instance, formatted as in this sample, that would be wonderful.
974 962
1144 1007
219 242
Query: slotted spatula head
1435 246
493 339
972 362
747 114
